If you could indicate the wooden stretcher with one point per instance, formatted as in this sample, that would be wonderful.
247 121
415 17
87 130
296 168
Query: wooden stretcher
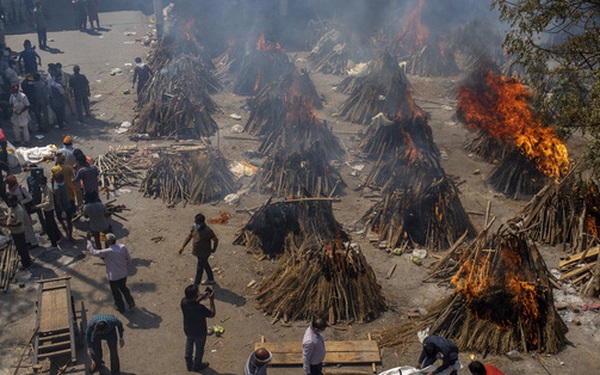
337 352
57 329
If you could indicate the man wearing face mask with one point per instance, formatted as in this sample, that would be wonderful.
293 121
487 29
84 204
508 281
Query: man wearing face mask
205 243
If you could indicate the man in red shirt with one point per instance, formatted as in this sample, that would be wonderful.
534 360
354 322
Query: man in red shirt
478 368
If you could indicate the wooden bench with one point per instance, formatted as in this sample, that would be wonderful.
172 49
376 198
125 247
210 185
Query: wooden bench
337 352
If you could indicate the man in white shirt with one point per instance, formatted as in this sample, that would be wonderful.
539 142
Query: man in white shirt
313 348
20 114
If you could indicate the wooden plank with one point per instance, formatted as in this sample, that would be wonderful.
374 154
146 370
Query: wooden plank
343 352
55 336
577 271
54 311
330 358
331 346
54 354
578 257
54 345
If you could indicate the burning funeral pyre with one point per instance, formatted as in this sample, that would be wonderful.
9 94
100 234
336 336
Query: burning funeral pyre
176 103
425 53
567 213
320 273
500 108
195 176
382 91
273 222
502 301
261 66
269 106
420 204
299 156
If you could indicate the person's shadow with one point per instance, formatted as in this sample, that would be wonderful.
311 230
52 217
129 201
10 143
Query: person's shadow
142 318
54 51
226 295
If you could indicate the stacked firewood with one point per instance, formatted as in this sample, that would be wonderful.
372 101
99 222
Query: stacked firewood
116 170
230 61
9 261
269 106
581 270
169 48
271 224
192 177
420 204
261 66
299 156
566 213
328 279
382 91
490 149
517 176
177 101
502 301
431 60
330 54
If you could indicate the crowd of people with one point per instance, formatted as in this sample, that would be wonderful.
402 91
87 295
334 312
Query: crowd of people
31 12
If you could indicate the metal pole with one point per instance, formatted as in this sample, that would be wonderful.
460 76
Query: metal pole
158 16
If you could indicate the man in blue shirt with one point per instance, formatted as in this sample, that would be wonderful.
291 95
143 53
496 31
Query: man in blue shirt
436 347
104 327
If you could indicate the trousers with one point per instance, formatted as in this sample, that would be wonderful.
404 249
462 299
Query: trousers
115 365
119 290
200 267
193 362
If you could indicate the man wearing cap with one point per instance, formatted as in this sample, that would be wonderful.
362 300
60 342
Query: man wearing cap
257 362
67 150
117 261
313 348
20 114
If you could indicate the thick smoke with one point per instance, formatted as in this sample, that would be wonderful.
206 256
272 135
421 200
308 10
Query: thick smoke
294 23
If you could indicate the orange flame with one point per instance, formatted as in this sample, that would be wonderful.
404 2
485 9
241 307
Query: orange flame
262 45
477 283
187 30
414 33
504 111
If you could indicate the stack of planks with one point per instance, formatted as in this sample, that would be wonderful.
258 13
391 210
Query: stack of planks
9 261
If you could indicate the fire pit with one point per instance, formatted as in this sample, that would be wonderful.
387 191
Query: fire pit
502 301
500 107
261 66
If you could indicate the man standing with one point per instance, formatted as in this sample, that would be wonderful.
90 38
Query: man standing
15 223
28 56
98 215
20 115
117 261
313 348
435 347
478 368
58 102
47 206
194 325
40 104
87 174
81 92
65 207
40 25
104 327
257 362
67 151
205 243
142 74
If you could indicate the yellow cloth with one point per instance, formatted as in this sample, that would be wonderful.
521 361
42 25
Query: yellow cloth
67 172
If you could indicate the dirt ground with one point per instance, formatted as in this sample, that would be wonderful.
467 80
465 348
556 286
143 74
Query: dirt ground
153 331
